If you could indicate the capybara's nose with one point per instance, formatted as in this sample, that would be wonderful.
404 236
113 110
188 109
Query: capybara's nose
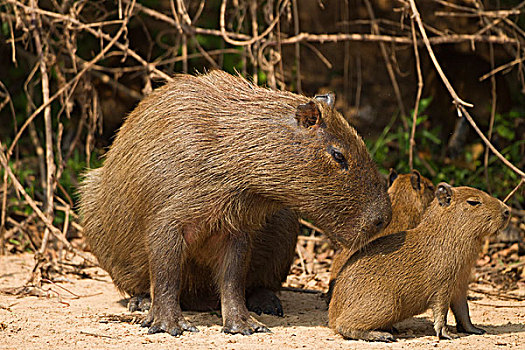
379 223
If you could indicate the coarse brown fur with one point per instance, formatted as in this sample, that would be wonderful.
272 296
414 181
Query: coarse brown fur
200 168
405 273
410 195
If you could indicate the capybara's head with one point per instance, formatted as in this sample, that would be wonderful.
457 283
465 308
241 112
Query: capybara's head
410 194
342 190
468 211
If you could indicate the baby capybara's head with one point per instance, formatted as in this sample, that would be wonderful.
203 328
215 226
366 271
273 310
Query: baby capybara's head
467 211
410 194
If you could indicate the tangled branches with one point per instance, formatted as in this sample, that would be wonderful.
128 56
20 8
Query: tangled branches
66 54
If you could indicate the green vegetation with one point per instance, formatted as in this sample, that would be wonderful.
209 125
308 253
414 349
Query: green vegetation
391 149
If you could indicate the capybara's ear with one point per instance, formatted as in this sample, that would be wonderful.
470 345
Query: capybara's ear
415 180
392 176
444 194
308 114
328 98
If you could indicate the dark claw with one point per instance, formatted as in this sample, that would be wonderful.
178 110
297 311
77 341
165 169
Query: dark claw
189 327
389 338
139 303
155 329
175 332
247 331
262 329
236 330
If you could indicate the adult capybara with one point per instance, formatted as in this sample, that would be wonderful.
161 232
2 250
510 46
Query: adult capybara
405 273
200 168
410 195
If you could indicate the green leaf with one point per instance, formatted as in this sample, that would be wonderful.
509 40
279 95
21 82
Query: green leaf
431 137
5 28
505 132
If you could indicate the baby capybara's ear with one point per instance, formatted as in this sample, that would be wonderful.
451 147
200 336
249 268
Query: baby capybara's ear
392 176
444 194
328 98
415 180
308 115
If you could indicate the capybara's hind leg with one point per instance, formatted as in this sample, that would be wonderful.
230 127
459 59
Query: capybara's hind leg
232 277
344 325
270 262
165 261
356 334
139 302
264 301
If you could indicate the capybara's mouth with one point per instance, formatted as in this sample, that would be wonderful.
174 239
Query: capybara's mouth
504 224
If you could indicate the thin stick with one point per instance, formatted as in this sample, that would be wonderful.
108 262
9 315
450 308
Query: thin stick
50 162
347 83
256 37
299 248
496 294
438 40
359 84
492 116
301 290
418 97
389 68
502 67
255 30
3 214
514 190
311 238
296 29
415 14
106 79
489 144
311 226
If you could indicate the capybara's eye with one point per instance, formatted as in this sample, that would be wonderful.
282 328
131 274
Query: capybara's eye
473 202
338 156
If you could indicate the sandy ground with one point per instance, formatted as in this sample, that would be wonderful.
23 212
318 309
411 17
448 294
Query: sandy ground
94 321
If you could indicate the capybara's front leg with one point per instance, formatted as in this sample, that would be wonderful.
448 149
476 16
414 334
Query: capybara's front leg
459 307
440 310
232 281
165 261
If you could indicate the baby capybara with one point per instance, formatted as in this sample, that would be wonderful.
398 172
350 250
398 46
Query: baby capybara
410 195
200 168
405 273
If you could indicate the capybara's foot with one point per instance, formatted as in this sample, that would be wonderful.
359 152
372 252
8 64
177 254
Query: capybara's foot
443 333
141 302
244 326
365 335
159 322
262 300
471 329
